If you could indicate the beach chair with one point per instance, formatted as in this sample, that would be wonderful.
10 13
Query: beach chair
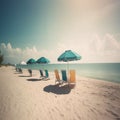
72 80
41 74
16 69
20 70
64 76
72 77
30 72
46 77
57 77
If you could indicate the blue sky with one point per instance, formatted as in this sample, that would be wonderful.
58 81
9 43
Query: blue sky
31 29
25 22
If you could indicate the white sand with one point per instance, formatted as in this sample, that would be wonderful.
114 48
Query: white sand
27 98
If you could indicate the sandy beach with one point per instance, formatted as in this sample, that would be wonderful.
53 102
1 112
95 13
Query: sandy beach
27 98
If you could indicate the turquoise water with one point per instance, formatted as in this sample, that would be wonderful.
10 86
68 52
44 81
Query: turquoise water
101 71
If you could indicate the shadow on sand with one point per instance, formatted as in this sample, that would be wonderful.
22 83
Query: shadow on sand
17 73
33 79
37 79
57 89
24 76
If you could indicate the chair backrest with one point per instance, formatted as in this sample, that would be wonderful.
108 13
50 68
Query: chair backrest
64 75
41 73
57 74
46 73
72 76
30 71
20 70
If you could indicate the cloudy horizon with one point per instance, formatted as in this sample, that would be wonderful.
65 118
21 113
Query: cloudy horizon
96 50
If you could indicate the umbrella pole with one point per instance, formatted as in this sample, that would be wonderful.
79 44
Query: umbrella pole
43 69
68 71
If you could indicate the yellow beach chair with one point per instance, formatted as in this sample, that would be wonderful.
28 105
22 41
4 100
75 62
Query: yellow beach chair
57 76
72 80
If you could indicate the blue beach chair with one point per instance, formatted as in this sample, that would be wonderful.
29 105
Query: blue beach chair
64 76
46 75
30 72
41 74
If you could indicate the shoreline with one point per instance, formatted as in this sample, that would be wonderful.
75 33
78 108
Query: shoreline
102 71
23 97
100 79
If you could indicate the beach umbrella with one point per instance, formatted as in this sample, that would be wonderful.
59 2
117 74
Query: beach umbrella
69 55
42 60
31 61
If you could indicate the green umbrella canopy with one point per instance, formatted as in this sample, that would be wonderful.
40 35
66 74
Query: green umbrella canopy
69 55
31 61
42 60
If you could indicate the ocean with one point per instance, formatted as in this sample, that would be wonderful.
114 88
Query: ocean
101 71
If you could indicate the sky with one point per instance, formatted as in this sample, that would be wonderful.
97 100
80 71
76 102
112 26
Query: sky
32 29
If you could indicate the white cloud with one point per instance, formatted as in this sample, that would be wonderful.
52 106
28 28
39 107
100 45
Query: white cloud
93 49
104 49
16 55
